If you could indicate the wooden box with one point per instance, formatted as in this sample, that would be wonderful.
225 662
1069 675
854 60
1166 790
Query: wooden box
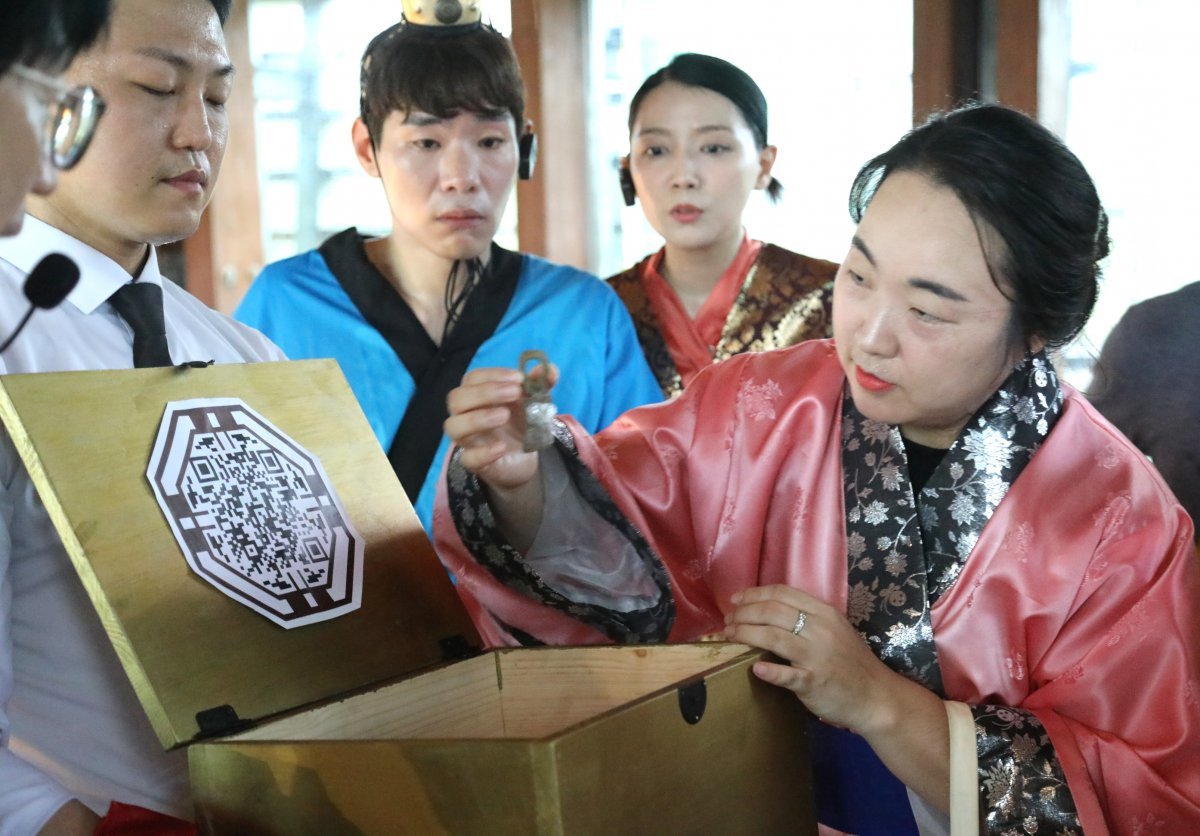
387 719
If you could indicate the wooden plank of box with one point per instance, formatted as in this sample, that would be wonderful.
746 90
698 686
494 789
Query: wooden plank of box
537 741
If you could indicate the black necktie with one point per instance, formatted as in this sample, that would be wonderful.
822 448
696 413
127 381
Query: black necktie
141 305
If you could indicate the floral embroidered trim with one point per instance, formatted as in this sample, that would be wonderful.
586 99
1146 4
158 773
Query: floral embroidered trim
982 465
887 601
904 554
1021 782
477 527
785 299
629 287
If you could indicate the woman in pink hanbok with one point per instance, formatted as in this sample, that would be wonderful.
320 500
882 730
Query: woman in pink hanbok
698 149
987 596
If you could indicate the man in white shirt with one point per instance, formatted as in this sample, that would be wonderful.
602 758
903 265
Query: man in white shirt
72 734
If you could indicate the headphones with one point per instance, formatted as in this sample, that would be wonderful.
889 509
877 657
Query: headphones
527 151
626 180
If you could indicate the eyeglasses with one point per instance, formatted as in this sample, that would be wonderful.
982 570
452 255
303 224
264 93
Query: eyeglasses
73 115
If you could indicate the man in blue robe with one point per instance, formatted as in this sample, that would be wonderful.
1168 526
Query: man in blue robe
406 315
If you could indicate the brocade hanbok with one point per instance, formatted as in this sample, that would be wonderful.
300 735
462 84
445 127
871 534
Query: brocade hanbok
1042 580
767 298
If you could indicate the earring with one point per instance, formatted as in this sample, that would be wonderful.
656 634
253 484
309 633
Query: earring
628 191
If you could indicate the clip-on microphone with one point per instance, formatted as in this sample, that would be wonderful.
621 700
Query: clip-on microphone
47 284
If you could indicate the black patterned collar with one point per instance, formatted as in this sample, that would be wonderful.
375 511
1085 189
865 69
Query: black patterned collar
904 552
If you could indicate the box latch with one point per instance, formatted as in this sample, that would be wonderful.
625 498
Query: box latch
693 698
220 722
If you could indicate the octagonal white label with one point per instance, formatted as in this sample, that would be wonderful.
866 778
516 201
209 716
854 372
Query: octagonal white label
254 512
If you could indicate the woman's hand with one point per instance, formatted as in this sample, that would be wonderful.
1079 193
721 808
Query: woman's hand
487 420
837 676
831 670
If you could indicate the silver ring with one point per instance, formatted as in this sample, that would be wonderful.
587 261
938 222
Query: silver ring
799 625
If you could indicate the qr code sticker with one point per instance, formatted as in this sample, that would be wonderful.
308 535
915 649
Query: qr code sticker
255 513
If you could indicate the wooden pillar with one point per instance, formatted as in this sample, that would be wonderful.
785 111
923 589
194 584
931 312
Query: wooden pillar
1017 41
946 54
975 49
553 211
226 253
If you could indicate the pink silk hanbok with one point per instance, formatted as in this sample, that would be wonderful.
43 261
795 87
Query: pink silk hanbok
1078 605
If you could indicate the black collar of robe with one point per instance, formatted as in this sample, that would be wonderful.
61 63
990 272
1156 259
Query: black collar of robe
435 370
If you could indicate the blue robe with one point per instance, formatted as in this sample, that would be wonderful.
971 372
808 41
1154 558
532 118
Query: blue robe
572 316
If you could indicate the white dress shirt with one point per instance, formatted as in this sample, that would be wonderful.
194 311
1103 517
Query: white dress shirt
70 723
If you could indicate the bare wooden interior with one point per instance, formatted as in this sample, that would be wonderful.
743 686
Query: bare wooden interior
527 694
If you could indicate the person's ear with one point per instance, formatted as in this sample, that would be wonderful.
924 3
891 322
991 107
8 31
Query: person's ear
364 148
766 162
527 151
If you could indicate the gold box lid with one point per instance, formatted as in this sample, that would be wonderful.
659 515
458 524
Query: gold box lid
203 664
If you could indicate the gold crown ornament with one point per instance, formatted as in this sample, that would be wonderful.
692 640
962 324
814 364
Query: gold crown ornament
442 12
